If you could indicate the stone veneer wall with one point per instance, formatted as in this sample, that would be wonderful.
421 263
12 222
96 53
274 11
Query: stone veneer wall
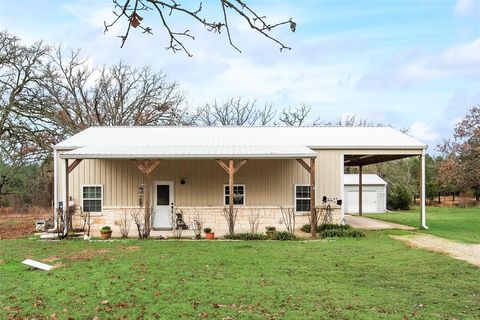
212 217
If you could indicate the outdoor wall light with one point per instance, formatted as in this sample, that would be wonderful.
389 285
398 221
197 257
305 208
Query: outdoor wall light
182 181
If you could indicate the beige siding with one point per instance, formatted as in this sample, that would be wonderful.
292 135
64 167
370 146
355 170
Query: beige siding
268 182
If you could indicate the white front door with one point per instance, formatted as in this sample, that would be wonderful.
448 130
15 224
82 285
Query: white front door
162 203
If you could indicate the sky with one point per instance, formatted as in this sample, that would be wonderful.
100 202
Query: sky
408 64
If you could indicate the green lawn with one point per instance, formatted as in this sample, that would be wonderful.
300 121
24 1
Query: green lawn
368 278
452 223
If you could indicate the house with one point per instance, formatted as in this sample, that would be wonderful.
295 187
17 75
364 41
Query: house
374 193
113 171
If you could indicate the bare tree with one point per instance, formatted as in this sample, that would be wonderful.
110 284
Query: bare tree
295 117
139 221
78 96
123 224
197 224
131 13
235 112
253 219
21 70
288 216
353 121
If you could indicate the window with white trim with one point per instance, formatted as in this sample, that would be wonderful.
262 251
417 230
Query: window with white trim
238 194
302 198
92 198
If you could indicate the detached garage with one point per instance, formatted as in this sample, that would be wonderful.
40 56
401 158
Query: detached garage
374 193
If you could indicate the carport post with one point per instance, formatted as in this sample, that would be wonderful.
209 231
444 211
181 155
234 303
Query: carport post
65 201
422 192
360 191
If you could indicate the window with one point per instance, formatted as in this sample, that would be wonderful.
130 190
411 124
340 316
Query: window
302 198
238 194
92 198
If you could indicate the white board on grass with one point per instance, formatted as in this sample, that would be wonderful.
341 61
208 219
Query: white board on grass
37 265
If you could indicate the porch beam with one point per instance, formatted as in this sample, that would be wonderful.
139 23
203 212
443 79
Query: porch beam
146 166
313 210
223 165
73 165
304 164
239 165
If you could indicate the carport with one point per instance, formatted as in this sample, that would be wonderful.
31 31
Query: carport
363 158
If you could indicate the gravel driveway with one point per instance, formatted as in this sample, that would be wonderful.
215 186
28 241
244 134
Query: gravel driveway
461 251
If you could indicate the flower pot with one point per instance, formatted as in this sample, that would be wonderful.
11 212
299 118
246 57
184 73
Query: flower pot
105 235
210 235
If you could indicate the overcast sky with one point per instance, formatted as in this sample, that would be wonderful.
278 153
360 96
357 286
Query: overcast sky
409 64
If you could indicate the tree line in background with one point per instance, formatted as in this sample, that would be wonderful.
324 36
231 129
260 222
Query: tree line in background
49 93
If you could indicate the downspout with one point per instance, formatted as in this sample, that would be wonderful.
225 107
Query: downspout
342 189
422 205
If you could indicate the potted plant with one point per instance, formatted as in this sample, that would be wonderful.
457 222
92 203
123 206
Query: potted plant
106 232
270 232
208 233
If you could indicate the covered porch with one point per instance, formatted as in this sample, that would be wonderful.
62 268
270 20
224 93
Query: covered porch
205 182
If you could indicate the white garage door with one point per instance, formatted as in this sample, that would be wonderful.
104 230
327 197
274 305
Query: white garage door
369 201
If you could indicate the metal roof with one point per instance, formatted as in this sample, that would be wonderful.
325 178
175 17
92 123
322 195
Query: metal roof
201 142
367 179
190 152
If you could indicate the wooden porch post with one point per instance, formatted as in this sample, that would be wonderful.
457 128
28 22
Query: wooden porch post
360 191
231 169
66 207
313 210
230 188
147 167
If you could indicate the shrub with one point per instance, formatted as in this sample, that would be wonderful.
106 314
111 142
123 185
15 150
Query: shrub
332 230
398 198
306 228
245 236
283 235
355 233
207 230
333 226
269 228
333 233
339 231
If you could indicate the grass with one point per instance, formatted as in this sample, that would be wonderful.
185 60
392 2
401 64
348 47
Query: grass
451 223
368 278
